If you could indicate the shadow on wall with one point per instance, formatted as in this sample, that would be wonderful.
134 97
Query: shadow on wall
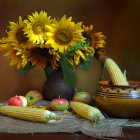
118 20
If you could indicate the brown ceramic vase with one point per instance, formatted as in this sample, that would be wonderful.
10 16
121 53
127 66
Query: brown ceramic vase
55 87
119 101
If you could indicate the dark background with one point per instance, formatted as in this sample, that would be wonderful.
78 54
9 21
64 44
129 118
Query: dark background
119 20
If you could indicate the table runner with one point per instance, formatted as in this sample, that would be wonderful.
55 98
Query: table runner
71 123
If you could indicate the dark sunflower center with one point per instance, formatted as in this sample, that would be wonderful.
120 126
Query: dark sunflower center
88 37
20 36
38 28
63 36
42 52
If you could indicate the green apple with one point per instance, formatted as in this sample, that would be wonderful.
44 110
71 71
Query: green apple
33 96
83 97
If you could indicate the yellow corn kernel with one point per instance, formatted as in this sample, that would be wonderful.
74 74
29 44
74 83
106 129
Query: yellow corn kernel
115 73
86 111
32 114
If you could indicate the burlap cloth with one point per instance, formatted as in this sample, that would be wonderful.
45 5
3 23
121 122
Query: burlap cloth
70 124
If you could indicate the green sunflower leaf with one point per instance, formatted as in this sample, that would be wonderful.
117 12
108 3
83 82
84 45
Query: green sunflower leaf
68 72
79 45
85 64
26 69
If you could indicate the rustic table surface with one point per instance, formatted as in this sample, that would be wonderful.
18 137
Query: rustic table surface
129 134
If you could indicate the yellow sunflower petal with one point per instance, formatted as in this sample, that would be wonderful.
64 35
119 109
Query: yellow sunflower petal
76 59
98 40
64 33
87 29
18 60
36 27
16 34
78 52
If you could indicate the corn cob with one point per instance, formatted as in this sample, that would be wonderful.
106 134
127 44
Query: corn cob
86 111
115 73
32 114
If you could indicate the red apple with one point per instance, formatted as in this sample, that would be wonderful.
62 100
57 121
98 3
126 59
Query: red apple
33 96
83 97
17 101
59 104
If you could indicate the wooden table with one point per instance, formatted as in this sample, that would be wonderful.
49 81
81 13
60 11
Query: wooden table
129 134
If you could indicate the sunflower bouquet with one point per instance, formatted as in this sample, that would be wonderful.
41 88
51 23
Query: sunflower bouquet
51 43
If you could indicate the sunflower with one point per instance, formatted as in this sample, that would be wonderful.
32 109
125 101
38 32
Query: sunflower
99 43
41 56
63 34
87 33
95 39
98 40
81 54
35 28
87 29
16 56
55 58
3 43
4 40
16 34
88 50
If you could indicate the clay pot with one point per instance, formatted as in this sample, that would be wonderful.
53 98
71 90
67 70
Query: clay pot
55 87
119 101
